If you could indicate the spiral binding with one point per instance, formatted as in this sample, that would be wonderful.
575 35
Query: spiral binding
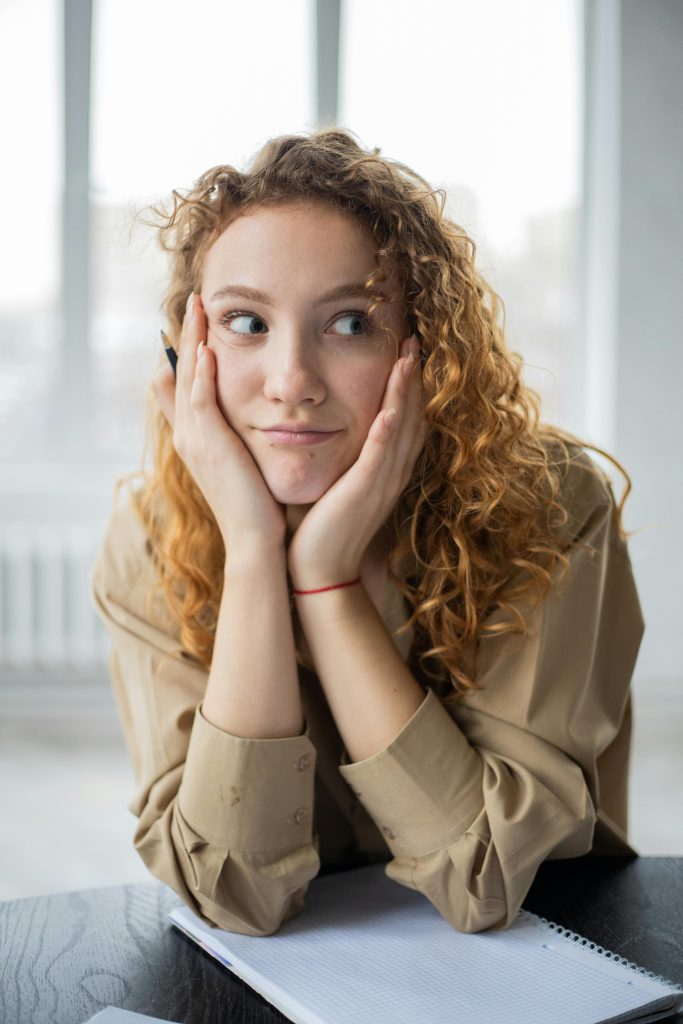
593 947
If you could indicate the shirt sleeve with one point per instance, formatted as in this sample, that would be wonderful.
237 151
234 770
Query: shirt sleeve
472 799
225 821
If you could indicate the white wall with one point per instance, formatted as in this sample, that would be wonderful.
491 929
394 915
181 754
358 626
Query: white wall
649 371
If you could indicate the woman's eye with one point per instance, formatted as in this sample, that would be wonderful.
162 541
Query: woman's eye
356 319
230 319
359 323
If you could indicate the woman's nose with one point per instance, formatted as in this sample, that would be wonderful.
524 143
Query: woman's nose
292 377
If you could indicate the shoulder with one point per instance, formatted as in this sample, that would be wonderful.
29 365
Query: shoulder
586 494
124 574
125 552
584 479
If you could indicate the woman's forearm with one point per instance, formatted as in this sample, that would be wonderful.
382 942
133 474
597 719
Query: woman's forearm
371 692
253 687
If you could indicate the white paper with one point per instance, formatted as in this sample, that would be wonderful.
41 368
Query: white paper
366 950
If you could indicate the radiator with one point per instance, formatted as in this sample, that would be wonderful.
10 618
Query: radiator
47 618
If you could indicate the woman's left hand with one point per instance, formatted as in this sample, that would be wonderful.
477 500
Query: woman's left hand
331 540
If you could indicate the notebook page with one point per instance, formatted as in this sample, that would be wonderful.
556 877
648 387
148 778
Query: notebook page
366 949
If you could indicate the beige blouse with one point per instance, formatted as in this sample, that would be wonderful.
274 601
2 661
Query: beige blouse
463 805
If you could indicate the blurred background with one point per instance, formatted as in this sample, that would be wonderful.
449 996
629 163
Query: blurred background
555 130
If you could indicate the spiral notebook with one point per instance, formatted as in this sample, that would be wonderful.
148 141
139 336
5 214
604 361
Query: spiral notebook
366 950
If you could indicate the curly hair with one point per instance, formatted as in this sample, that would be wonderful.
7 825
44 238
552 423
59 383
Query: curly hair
482 515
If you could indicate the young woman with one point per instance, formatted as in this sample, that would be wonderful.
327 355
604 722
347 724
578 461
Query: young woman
364 606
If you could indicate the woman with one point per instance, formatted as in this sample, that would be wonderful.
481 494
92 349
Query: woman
405 640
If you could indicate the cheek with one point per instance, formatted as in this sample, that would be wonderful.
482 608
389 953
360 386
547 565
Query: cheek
363 392
359 389
233 386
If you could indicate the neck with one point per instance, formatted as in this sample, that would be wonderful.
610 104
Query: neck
295 514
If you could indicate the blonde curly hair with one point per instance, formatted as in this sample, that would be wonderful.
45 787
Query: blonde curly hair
482 516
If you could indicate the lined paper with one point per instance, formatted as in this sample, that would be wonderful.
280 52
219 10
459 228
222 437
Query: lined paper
366 949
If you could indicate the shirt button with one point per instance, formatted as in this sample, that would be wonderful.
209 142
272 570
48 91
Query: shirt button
302 763
297 817
387 832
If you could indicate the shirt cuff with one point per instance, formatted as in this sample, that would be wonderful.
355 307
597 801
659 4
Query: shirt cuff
251 795
425 788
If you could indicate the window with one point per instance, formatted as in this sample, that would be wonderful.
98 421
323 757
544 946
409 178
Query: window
30 185
176 90
483 99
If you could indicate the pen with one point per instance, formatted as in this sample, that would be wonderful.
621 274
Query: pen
169 350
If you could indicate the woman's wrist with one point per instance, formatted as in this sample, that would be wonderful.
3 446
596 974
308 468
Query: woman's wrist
333 586
246 552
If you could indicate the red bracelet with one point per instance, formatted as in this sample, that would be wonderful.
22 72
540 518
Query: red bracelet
333 587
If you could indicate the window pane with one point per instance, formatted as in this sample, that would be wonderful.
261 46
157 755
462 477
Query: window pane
176 90
30 172
491 94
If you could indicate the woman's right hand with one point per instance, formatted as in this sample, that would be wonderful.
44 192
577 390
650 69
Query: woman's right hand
219 461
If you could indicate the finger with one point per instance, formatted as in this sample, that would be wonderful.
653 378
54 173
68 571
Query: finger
398 386
417 443
382 463
209 420
416 435
404 394
164 387
411 397
397 396
377 456
194 323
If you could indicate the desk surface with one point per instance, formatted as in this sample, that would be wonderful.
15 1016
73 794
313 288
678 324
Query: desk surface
64 957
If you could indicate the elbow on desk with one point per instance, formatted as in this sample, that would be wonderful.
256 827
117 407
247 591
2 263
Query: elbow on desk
467 914
251 894
475 905
475 888
266 921
223 919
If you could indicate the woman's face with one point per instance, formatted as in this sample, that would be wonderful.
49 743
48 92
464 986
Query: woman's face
295 355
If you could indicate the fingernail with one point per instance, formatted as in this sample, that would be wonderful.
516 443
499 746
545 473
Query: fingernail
188 307
409 364
200 351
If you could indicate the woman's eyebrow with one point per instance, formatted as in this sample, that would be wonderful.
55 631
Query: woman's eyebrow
342 291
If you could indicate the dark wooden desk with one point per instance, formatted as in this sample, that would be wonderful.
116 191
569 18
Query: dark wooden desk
64 957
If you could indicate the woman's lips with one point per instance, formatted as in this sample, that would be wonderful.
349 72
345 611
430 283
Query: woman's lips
299 437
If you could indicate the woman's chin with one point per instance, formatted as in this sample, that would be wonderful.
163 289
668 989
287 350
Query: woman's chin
296 480
291 496
304 491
